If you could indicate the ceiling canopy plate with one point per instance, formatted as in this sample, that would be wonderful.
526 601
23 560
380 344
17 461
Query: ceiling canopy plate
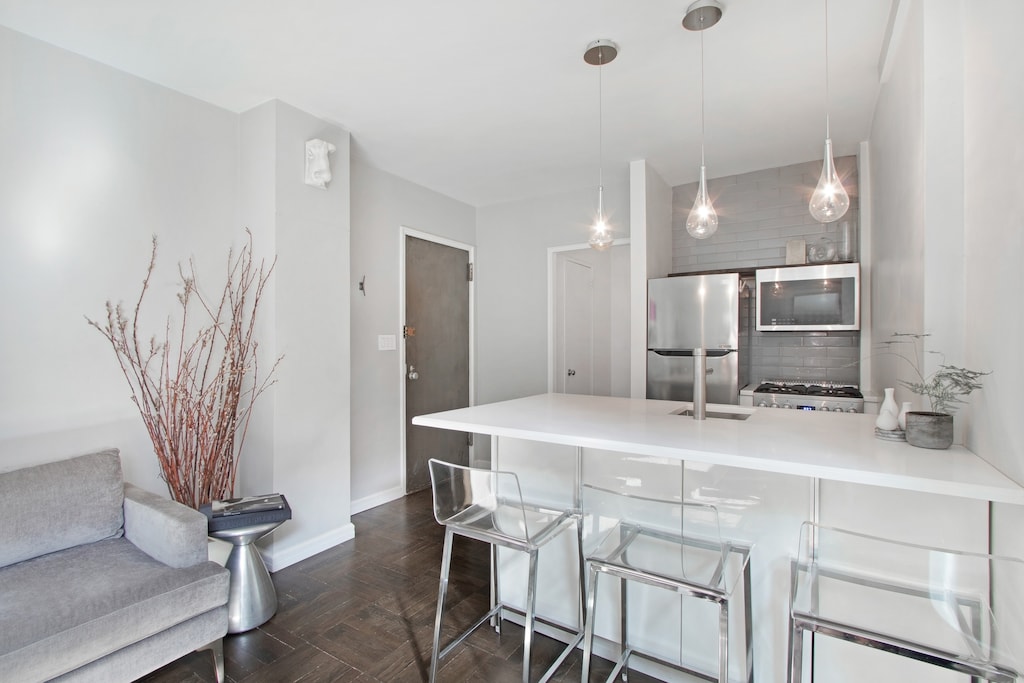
601 52
702 14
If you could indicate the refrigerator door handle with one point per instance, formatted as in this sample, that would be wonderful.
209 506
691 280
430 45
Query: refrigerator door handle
710 353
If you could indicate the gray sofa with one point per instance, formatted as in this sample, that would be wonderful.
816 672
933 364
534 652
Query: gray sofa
100 580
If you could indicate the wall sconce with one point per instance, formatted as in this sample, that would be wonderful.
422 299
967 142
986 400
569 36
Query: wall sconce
318 163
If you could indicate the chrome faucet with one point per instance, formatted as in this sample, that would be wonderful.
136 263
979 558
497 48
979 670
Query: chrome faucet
700 383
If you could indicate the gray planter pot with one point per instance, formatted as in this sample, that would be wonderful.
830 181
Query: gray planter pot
929 430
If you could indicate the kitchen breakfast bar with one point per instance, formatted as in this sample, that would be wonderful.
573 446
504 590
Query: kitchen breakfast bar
766 471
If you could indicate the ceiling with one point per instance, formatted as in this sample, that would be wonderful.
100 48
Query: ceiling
489 101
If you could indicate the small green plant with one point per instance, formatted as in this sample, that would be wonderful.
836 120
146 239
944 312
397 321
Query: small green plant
947 386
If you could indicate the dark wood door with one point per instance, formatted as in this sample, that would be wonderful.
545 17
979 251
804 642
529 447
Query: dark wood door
436 352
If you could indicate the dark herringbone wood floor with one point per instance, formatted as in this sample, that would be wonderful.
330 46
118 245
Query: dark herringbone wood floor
363 612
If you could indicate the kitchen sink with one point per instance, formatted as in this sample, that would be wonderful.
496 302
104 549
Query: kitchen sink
688 412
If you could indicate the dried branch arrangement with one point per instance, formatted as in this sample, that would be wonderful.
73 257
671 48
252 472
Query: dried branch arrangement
196 388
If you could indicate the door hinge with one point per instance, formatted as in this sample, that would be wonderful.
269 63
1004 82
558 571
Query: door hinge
469 272
469 439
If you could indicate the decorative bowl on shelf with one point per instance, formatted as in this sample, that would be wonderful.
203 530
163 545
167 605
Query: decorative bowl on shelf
822 251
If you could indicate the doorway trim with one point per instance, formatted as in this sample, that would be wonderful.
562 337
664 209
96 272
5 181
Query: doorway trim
404 232
552 285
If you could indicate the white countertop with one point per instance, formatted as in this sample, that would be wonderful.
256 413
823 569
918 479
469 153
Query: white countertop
840 447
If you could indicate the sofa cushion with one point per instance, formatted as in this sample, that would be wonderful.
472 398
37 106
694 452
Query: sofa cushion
65 609
139 659
59 505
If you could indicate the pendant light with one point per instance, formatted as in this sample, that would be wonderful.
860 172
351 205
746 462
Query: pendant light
702 222
829 200
599 53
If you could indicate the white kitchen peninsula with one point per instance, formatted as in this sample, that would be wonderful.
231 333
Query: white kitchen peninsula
762 473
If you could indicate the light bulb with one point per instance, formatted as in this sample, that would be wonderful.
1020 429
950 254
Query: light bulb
702 221
829 201
600 235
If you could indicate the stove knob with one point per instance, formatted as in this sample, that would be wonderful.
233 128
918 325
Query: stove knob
762 404
851 410
824 409
787 406
775 405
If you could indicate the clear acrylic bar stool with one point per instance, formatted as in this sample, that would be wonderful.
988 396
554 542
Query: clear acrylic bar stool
487 505
672 545
932 605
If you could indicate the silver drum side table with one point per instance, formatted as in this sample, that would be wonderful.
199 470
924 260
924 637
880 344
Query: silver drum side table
252 599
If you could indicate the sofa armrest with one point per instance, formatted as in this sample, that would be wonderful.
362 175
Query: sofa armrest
164 529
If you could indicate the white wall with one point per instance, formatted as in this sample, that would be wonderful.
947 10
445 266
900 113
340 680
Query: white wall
512 281
650 229
947 221
898 185
619 301
994 232
381 204
943 131
994 226
311 406
257 181
94 163
918 184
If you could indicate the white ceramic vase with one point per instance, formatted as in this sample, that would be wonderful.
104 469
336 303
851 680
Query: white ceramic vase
901 419
888 412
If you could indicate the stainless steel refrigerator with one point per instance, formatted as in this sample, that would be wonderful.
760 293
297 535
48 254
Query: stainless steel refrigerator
697 311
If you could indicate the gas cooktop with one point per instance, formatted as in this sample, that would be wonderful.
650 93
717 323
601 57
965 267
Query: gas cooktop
826 396
834 390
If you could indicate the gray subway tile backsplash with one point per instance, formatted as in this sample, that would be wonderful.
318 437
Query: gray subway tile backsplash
810 356
758 213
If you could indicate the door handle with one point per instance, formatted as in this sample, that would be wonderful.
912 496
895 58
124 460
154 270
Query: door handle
413 375
571 373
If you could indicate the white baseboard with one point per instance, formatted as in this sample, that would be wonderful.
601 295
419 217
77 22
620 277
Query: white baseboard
376 499
278 558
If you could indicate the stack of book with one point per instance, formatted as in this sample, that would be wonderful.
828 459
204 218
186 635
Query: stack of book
235 513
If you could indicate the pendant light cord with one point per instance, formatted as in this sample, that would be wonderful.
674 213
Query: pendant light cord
600 134
702 90
828 134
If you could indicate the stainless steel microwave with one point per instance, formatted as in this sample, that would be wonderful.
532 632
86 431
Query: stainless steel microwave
821 297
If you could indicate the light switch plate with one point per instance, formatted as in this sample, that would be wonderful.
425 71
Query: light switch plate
386 342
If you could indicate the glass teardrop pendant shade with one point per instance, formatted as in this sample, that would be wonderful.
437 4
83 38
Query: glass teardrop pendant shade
702 221
829 201
600 236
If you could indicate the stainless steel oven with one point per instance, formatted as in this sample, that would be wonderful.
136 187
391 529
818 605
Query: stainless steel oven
821 297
